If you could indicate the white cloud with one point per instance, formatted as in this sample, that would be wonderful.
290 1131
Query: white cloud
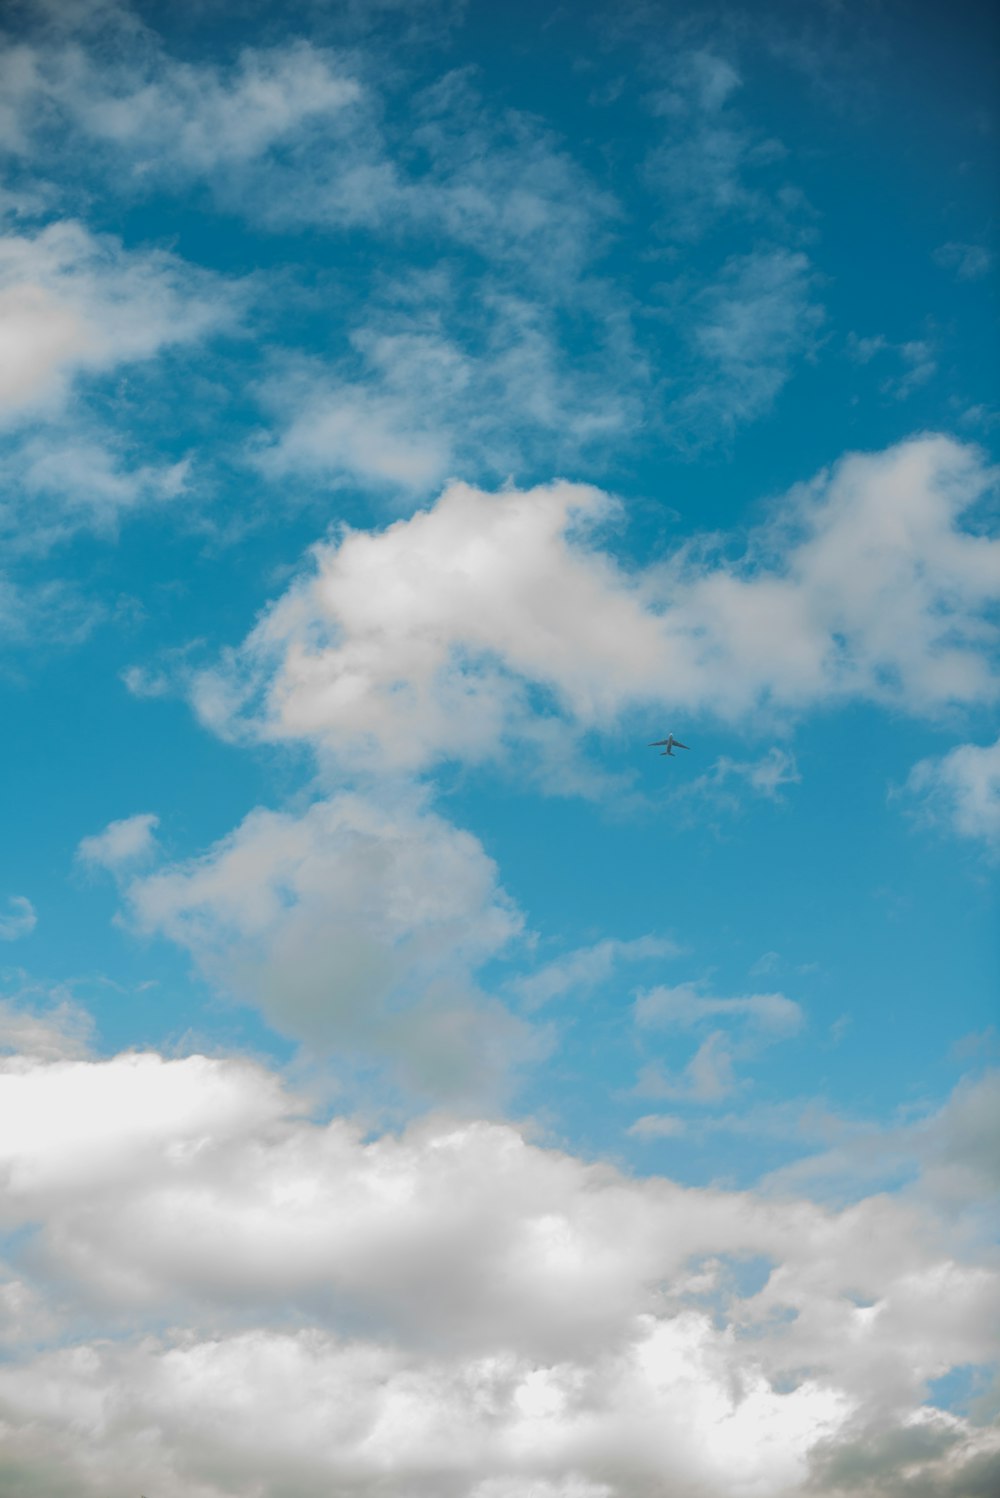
59 1031
915 360
73 302
430 388
451 1310
121 843
20 918
752 1022
766 776
962 790
748 328
450 635
657 1126
709 166
586 968
354 926
194 118
709 1077
163 116
295 135
684 1006
58 485
948 1157
968 261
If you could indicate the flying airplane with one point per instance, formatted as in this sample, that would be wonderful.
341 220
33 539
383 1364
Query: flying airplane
671 744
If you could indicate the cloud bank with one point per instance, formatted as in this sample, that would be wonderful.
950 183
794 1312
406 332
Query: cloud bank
452 1310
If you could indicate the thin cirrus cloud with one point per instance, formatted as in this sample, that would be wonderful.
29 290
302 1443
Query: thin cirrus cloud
583 1331
423 642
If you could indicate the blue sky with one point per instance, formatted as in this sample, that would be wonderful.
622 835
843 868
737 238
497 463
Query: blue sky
407 412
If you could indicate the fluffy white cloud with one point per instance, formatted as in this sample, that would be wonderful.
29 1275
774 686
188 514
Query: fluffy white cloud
448 634
962 789
19 919
356 926
121 843
451 1310
71 301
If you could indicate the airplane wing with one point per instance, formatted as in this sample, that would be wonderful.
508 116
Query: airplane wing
679 745
657 742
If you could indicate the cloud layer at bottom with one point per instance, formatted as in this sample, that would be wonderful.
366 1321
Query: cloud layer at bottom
209 1293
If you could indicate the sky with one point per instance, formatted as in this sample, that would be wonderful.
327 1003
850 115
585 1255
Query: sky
412 1085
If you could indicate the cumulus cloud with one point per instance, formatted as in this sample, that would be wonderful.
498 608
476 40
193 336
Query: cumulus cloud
449 1310
121 843
451 634
353 925
19 919
961 789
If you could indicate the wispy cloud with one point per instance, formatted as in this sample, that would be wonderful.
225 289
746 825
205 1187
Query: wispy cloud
75 303
968 261
961 791
587 968
745 330
19 919
121 844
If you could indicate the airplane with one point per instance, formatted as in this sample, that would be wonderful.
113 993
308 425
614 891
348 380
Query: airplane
671 744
